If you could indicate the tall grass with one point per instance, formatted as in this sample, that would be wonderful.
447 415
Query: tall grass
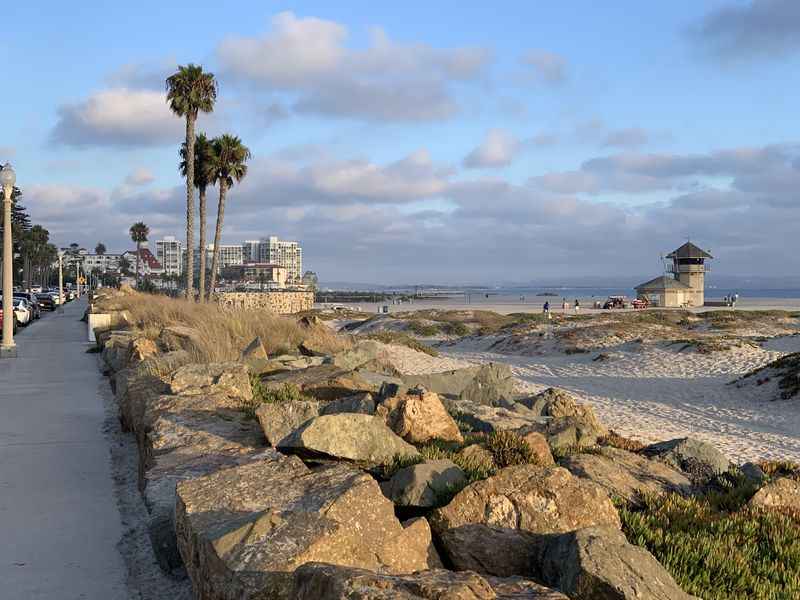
222 334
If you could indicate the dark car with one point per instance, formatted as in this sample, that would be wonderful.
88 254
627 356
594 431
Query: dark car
33 300
46 301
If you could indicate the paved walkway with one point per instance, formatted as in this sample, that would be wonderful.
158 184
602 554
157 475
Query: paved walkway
59 521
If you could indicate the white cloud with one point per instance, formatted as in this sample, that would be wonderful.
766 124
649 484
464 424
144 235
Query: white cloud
548 67
140 177
498 149
118 117
308 57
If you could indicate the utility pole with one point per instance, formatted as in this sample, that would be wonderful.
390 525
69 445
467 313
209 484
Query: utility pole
61 281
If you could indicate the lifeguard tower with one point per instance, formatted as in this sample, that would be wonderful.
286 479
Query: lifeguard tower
685 283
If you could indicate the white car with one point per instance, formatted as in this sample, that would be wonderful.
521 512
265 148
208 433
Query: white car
23 311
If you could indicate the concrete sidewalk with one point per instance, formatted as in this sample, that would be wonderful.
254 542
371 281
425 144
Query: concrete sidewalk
59 520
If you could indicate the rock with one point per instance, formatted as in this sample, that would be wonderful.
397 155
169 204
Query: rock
780 493
318 581
362 403
492 384
230 379
166 363
529 498
363 352
570 423
255 356
347 436
419 418
486 419
698 459
141 348
133 388
279 419
423 485
753 472
178 337
243 531
323 382
115 351
599 563
540 447
562 401
625 474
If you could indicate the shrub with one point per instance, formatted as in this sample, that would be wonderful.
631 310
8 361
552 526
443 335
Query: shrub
509 448
456 329
401 339
615 440
262 394
780 468
423 329
719 555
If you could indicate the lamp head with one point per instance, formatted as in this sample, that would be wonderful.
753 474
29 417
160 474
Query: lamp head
7 176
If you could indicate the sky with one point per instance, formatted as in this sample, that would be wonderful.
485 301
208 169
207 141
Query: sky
446 142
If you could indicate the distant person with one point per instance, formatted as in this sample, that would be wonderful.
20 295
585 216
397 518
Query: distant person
735 300
564 304
546 307
577 306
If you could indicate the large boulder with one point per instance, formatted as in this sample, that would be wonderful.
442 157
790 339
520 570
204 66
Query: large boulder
141 348
323 382
493 383
625 474
229 379
116 349
780 493
485 419
355 437
319 581
700 460
243 531
568 423
520 499
255 356
279 419
178 337
365 351
133 388
362 402
598 563
424 485
419 417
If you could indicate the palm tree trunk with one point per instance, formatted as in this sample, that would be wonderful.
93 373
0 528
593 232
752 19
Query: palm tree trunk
190 119
202 259
138 251
223 188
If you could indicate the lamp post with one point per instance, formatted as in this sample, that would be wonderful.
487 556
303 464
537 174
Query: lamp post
60 281
8 349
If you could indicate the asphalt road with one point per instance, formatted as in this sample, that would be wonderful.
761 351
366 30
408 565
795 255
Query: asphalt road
59 520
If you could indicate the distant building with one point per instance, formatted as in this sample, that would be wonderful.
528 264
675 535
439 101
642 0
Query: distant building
250 251
287 254
107 263
148 265
685 285
229 255
169 252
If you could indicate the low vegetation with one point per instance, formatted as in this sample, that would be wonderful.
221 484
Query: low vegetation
262 394
509 448
222 334
401 339
786 370
717 547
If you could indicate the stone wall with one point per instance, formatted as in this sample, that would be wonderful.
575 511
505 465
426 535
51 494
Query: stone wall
280 302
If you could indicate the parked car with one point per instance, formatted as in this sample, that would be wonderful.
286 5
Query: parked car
46 301
23 311
33 301
616 302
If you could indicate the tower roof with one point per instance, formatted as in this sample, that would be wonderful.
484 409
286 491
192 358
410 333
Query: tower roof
689 250
662 283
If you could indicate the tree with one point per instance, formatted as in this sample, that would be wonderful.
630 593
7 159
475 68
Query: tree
124 266
190 91
100 249
202 155
139 232
227 165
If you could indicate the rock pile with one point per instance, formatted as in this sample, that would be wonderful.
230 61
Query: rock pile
347 487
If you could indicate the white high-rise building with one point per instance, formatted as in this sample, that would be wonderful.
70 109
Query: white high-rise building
250 251
169 253
282 253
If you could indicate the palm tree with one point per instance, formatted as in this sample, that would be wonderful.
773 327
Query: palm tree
189 91
202 154
139 232
100 249
227 164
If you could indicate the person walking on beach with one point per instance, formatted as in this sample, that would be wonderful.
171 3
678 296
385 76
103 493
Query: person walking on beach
564 305
577 306
546 308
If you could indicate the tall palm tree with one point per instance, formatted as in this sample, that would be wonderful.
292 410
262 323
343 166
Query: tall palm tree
227 165
139 232
202 154
190 91
100 249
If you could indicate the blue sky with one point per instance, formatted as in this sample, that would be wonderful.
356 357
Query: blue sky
447 141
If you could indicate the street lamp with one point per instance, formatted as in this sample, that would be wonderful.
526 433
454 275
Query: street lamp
60 281
7 348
